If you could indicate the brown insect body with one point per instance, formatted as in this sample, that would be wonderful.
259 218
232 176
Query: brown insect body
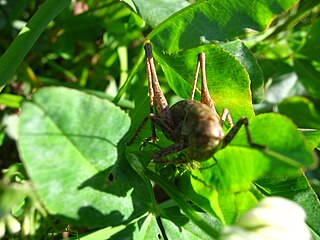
198 128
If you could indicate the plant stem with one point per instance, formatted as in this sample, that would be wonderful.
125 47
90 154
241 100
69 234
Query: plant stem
189 211
131 75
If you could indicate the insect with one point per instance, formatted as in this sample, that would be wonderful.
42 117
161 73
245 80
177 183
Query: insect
193 126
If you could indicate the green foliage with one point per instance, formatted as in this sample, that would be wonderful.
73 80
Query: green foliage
154 11
83 79
83 151
221 67
227 20
232 180
14 55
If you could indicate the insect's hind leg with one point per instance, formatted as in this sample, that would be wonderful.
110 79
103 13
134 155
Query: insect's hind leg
141 126
225 115
234 130
195 80
205 95
210 165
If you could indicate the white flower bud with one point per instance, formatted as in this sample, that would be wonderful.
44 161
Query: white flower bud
13 224
26 225
273 210
2 228
274 218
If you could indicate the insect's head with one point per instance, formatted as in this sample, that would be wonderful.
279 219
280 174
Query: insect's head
212 134
206 138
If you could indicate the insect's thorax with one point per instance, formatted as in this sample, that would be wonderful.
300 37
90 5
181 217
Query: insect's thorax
197 126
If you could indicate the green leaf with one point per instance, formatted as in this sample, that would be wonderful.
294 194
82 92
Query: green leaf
311 49
302 111
313 137
309 77
178 226
145 228
186 208
70 145
225 77
223 188
11 100
214 20
155 11
250 63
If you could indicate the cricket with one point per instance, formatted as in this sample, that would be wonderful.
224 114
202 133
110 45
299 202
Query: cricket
194 127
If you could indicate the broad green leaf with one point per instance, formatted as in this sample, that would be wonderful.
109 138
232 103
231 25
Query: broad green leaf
309 77
223 188
214 20
145 228
186 207
155 11
313 137
311 49
174 223
302 111
148 228
297 189
227 79
246 58
70 144
178 226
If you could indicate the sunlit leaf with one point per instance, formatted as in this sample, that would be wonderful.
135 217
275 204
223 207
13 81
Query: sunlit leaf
155 11
311 49
69 142
246 58
313 137
227 79
302 111
228 182
309 77
214 20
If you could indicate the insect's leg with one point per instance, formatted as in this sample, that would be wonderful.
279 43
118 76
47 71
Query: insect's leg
158 157
205 95
151 99
195 80
159 99
231 134
169 132
225 115
211 165
154 119
141 126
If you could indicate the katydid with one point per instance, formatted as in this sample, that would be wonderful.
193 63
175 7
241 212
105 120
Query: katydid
193 126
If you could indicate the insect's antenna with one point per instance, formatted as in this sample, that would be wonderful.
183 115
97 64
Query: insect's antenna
205 95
